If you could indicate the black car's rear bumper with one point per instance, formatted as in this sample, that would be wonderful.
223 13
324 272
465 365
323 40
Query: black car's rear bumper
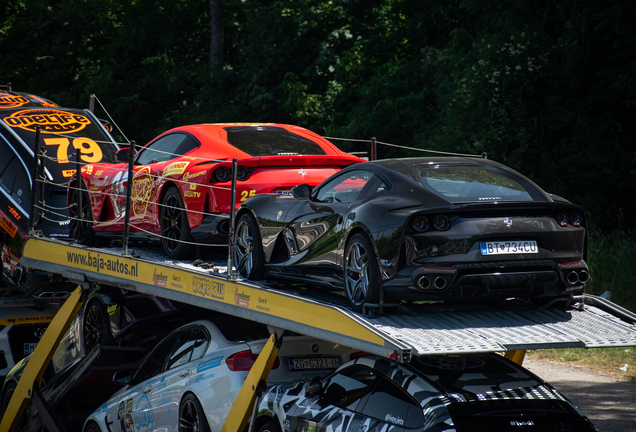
495 280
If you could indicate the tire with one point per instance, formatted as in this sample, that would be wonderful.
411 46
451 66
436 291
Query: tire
361 272
7 392
270 426
191 415
175 229
248 248
96 325
82 220
92 427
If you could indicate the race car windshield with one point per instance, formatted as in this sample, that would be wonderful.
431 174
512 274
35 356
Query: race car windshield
463 183
271 141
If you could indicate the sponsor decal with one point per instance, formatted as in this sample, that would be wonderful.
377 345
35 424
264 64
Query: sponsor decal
192 194
26 320
262 304
193 186
521 423
176 282
8 101
241 299
44 102
112 309
175 168
203 378
99 173
187 176
14 212
141 192
389 418
88 169
68 173
205 287
159 279
49 120
209 364
144 418
7 224
278 215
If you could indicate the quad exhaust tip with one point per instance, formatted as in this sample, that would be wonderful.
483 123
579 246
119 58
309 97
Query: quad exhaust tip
578 277
425 283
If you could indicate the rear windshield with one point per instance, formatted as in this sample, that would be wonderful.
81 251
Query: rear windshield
475 374
463 183
271 141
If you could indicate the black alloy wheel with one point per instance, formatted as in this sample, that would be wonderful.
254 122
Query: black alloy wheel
249 255
361 272
175 229
96 327
270 426
92 427
7 392
191 415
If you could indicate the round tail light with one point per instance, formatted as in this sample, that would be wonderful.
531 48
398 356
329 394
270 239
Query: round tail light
420 224
441 223
576 218
562 219
242 173
222 174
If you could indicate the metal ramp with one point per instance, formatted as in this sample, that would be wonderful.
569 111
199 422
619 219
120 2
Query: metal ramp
415 330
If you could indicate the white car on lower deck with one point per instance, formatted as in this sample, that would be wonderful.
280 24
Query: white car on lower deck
193 376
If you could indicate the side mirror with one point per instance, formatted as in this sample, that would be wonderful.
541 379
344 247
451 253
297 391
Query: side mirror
301 191
123 377
314 388
123 154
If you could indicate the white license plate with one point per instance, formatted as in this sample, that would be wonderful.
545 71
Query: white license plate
314 363
509 247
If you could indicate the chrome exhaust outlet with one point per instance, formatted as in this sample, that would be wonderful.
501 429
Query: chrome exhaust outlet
424 282
440 282
573 278
584 276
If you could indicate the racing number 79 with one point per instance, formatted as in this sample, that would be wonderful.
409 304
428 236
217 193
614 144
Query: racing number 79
90 151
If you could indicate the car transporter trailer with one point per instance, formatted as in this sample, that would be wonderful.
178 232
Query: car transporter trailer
510 327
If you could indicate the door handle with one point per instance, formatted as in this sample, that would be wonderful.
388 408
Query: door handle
147 390
184 373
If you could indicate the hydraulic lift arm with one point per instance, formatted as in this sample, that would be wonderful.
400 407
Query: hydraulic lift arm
516 356
34 370
252 387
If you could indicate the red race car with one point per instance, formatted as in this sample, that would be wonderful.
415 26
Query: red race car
190 168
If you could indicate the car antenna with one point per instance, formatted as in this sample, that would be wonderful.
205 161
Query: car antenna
91 107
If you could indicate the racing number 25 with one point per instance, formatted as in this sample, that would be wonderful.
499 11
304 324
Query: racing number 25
90 151
247 194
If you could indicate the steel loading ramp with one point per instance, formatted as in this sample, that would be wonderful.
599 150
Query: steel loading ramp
418 330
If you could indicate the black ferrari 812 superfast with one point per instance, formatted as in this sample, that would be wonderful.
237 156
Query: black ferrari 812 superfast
438 229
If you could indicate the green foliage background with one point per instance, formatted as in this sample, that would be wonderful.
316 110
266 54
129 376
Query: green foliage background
547 87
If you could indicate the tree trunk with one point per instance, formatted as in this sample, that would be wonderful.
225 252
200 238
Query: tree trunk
216 27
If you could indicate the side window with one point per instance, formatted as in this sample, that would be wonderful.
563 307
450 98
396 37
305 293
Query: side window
346 388
391 403
166 148
344 188
6 153
191 346
155 361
